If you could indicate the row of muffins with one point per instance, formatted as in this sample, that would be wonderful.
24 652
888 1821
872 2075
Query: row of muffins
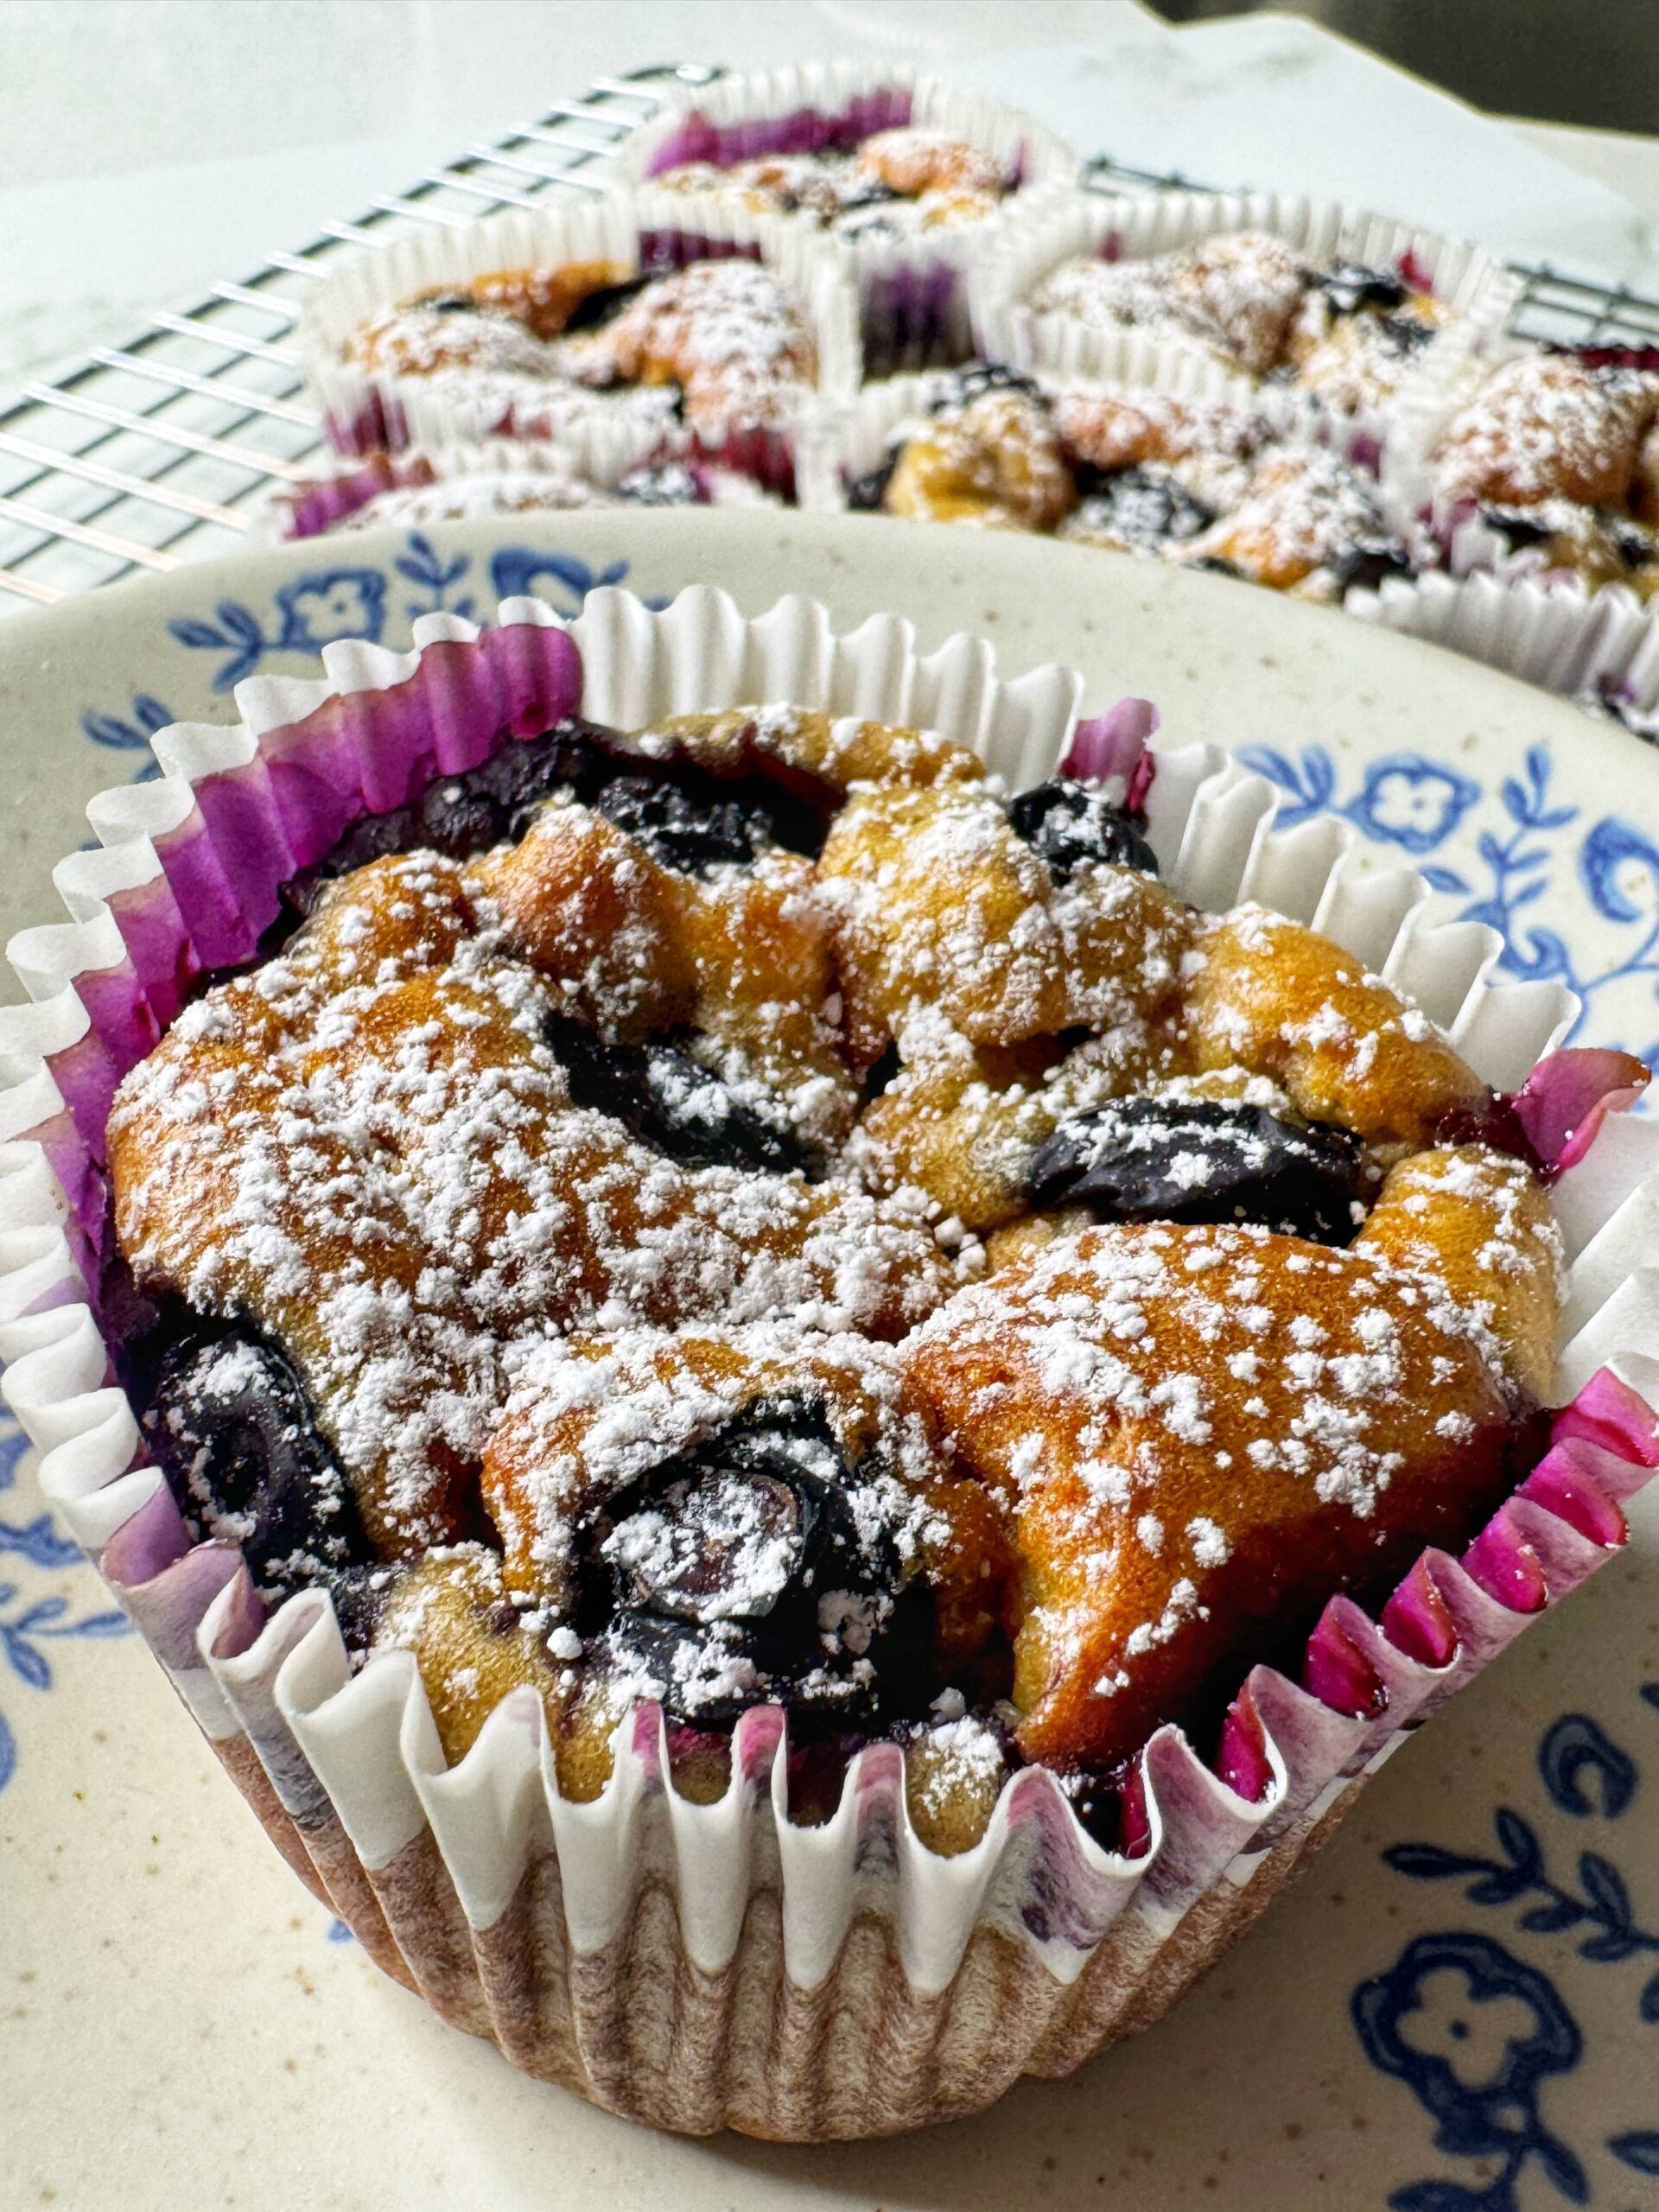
734 330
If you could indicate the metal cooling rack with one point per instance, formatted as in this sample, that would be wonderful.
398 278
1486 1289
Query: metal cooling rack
163 451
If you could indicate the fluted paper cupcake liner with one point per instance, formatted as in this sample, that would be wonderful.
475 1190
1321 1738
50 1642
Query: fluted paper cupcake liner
706 1965
1550 632
1478 291
364 410
913 288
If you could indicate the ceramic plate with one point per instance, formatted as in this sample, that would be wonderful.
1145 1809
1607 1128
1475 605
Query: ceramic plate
1456 2011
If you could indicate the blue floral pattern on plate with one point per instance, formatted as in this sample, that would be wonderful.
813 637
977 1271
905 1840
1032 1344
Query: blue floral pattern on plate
321 606
1476 2033
31 1619
1496 854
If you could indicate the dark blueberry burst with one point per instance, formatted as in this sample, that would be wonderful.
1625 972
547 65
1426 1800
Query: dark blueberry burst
758 1569
1067 823
230 1427
1204 1160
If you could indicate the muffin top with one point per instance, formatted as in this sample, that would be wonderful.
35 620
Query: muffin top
1214 485
1343 331
1559 457
747 1212
718 343
897 181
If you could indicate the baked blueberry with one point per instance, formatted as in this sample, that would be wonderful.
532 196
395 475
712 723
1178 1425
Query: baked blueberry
230 1425
866 494
1204 1160
1370 561
1146 508
665 1098
1405 334
598 308
1518 530
1350 286
1067 823
662 483
691 831
453 303
745 1573
461 815
868 193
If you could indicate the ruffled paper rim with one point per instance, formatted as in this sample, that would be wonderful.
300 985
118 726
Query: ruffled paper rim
186 877
1550 632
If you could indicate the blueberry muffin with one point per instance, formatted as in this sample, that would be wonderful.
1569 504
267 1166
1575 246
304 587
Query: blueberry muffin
747 1213
1212 486
1346 333
1558 457
718 350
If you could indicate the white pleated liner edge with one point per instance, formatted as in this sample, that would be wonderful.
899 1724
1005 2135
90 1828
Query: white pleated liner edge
607 228
1550 632
369 1739
1479 291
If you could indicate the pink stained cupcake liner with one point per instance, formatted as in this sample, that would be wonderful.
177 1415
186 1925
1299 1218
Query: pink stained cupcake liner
683 1963
912 289
420 485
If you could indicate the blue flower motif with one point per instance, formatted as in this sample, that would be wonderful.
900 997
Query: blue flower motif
27 1623
319 609
149 716
1474 2033
1620 868
423 566
1410 802
517 570
1585 1771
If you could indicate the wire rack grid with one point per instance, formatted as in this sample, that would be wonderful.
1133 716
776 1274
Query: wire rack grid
165 450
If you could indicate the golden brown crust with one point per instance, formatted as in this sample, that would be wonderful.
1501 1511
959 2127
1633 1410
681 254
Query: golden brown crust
544 300
1199 1430
1548 427
384 1171
996 462
1277 998
942 909
1479 1222
1120 1461
470 1642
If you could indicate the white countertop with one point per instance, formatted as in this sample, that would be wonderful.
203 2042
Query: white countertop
152 145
